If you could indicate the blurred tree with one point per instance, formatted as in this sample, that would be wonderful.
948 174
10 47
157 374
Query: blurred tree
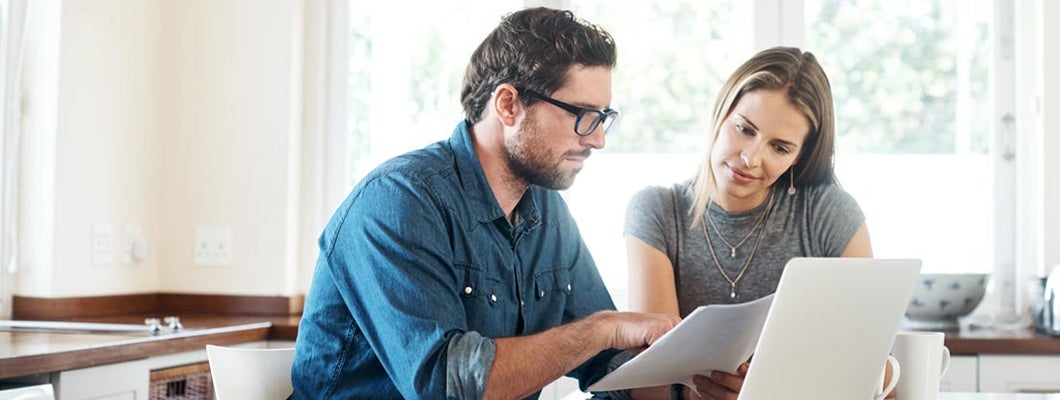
359 81
894 72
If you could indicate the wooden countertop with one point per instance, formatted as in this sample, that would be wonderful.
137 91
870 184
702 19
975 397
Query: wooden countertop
1001 341
32 352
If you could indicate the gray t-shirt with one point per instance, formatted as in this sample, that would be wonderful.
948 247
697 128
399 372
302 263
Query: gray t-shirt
818 221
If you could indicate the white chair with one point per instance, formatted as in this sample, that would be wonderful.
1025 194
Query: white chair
245 373
38 392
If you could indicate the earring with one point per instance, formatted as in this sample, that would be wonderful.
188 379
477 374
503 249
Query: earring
791 186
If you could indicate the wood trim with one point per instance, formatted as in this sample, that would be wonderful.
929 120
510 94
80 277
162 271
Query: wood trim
67 308
226 304
1038 345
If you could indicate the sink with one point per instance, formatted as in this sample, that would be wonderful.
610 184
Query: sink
79 327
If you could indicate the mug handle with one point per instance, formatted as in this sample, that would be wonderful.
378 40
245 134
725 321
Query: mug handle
896 373
945 360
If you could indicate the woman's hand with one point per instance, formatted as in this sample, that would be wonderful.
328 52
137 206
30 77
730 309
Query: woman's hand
719 385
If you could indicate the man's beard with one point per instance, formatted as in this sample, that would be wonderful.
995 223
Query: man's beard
528 158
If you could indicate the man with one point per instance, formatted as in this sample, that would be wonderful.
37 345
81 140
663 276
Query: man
456 271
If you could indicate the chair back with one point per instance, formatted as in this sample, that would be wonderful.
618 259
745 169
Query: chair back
245 373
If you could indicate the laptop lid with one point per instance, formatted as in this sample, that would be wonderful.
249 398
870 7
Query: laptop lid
830 328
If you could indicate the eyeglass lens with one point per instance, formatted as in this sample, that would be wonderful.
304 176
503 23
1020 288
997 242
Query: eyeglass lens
588 120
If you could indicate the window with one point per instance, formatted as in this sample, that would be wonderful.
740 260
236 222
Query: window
912 82
673 58
912 91
404 74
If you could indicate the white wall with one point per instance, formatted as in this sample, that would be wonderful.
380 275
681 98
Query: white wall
108 153
167 116
231 104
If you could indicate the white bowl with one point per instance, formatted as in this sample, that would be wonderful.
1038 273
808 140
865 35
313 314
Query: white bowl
939 299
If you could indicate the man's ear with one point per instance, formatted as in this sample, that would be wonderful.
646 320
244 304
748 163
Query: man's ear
506 104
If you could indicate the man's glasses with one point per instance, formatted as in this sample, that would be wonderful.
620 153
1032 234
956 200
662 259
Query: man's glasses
588 119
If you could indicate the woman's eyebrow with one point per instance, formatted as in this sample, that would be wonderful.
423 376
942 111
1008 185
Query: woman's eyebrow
748 120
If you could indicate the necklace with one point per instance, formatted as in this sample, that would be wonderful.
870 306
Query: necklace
710 245
733 247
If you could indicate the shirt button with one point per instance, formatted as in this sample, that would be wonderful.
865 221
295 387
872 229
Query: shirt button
468 290
568 287
493 298
541 293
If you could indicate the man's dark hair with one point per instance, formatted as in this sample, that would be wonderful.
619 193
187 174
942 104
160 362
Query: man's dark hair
532 49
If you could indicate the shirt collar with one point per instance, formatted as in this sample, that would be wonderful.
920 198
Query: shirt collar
481 201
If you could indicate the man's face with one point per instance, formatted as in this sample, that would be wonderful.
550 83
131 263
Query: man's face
545 151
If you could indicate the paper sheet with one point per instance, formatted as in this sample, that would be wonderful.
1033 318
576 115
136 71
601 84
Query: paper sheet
711 338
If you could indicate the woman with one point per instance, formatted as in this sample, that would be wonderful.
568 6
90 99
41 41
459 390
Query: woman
766 192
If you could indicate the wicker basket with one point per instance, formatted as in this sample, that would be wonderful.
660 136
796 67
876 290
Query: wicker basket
185 382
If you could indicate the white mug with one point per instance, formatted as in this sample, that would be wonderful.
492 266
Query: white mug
896 372
924 360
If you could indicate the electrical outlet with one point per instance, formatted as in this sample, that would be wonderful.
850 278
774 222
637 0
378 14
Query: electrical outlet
102 244
213 246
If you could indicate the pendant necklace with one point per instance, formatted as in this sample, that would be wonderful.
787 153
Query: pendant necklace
733 247
758 240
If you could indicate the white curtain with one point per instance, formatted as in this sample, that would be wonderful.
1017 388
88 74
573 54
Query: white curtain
322 178
13 27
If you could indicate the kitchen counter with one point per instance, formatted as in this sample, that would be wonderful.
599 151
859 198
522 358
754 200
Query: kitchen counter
25 353
1001 341
28 352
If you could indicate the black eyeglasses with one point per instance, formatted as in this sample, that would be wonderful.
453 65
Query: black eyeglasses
588 119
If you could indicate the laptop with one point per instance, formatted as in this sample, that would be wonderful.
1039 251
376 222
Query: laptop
830 328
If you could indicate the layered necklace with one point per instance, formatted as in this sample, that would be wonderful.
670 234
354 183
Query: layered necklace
710 244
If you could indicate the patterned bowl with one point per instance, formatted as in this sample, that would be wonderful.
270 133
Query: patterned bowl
939 299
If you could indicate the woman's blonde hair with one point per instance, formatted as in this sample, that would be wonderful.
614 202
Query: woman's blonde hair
799 74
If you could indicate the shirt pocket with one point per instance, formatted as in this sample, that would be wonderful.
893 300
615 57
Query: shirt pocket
482 301
554 282
552 291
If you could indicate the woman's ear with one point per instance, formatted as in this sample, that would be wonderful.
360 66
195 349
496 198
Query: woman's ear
506 104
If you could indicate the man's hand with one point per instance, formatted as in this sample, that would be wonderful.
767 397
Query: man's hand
633 331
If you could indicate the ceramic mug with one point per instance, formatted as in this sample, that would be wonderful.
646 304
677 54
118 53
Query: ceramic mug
924 359
896 372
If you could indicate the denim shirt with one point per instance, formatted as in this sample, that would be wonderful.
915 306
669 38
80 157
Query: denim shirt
419 269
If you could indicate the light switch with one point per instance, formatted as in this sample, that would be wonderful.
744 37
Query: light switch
135 247
102 244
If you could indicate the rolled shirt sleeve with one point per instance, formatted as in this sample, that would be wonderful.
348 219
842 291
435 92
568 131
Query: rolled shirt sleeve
470 358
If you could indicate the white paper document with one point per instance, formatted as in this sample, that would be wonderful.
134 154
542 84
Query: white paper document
717 337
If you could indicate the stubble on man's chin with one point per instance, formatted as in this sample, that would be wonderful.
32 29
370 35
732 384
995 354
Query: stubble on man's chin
549 177
531 164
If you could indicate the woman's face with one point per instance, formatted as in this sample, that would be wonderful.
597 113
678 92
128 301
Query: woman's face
760 139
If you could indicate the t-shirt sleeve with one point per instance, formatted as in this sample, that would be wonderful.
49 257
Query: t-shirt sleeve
650 216
838 217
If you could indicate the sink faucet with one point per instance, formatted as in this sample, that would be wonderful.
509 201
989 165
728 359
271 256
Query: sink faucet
153 326
174 324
